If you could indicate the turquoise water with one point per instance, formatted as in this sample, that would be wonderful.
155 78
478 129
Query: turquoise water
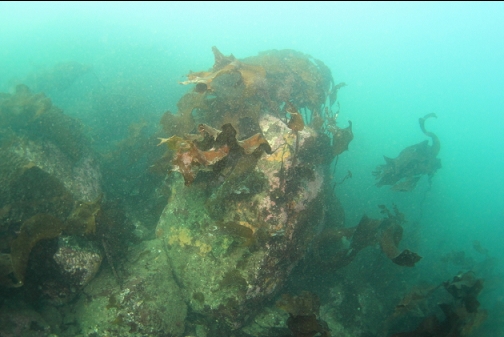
400 61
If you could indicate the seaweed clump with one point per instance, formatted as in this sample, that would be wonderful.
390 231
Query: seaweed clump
234 95
303 313
461 315
190 156
44 227
415 161
345 243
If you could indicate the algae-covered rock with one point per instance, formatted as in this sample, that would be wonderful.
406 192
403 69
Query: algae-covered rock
47 173
250 148
25 157
148 303
36 134
233 246
76 263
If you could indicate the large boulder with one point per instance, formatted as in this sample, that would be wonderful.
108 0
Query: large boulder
250 147
233 245
49 185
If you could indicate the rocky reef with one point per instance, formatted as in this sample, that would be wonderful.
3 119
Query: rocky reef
228 227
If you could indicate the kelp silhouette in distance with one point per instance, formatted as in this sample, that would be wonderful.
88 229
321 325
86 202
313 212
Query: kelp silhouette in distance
404 171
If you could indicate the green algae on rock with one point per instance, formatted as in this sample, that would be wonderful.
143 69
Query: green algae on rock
251 191
47 170
148 303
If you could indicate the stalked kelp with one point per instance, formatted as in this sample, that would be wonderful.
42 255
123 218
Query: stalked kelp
413 162
460 314
336 248
295 123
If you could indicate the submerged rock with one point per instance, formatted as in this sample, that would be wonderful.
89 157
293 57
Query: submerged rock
147 303
19 319
251 145
76 263
232 246
48 175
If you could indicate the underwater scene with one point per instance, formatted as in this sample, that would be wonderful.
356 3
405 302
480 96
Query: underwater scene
251 169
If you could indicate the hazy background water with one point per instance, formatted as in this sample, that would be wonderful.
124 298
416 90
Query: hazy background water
400 61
